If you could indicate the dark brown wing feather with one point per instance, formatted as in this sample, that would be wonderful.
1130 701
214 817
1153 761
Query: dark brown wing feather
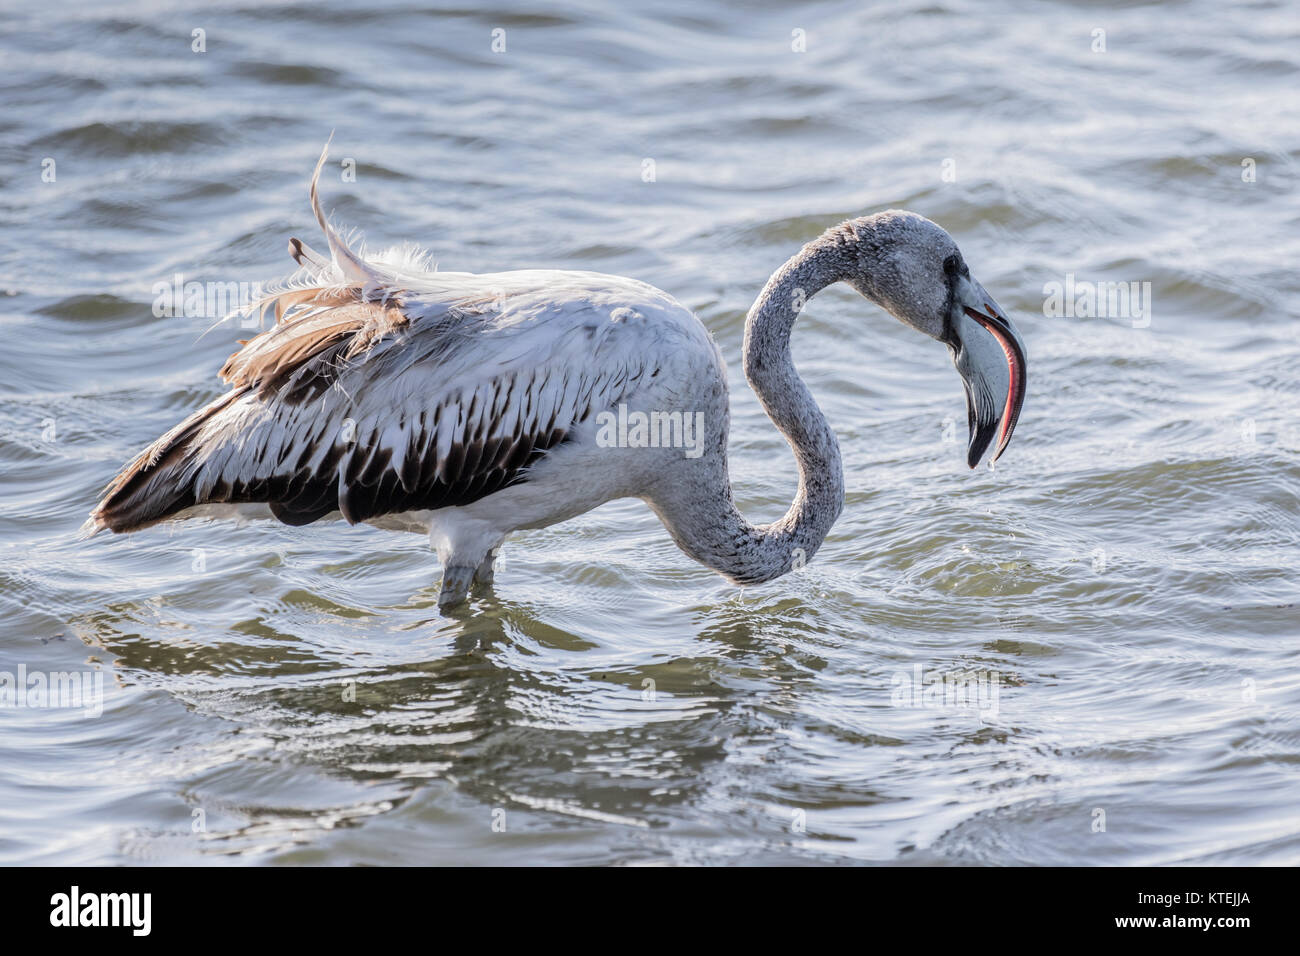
304 469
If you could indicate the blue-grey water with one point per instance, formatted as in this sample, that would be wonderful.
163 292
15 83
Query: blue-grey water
1121 589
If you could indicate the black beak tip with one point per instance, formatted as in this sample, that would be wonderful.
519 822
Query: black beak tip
979 444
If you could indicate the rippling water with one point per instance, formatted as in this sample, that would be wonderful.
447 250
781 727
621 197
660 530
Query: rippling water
1124 580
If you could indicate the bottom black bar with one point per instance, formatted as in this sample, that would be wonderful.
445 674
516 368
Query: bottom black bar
334 905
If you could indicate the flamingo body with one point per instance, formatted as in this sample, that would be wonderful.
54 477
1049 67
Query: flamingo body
470 406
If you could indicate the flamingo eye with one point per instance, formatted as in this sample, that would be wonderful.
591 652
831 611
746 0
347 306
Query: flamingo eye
954 266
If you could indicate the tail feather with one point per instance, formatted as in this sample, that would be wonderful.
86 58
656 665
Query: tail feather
158 482
309 258
352 266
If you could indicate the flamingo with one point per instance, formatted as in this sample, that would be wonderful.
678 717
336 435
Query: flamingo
469 406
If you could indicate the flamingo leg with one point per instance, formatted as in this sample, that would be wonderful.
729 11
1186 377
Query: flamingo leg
456 579
486 570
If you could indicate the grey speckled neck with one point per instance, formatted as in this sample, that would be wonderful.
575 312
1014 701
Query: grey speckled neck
704 521
894 258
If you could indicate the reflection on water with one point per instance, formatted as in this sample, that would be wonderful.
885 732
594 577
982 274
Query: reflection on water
1122 584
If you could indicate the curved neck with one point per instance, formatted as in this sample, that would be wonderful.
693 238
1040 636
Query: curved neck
713 531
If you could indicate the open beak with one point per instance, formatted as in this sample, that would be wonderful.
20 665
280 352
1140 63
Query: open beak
990 356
